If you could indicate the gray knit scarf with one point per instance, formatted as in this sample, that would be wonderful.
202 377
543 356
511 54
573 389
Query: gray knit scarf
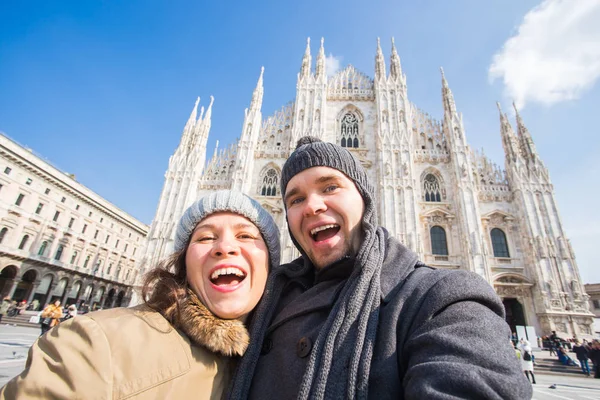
348 333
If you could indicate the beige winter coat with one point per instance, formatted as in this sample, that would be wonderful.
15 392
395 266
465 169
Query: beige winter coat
131 353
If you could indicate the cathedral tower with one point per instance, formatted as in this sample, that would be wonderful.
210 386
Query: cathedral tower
558 290
181 184
398 196
246 147
311 97
470 228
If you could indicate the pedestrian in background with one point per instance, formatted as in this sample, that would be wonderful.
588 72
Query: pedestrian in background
51 316
595 357
527 360
71 312
582 355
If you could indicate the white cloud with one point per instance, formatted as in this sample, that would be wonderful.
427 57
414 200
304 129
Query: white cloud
333 64
555 55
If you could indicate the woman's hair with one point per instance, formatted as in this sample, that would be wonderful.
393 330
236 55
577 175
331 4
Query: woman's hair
165 286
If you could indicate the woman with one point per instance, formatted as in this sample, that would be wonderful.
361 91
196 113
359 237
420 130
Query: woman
71 312
527 360
51 316
180 343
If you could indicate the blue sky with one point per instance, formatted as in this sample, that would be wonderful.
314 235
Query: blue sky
103 89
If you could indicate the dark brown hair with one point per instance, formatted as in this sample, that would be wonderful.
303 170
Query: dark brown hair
165 286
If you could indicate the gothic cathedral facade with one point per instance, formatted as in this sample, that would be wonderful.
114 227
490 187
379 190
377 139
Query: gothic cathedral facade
449 204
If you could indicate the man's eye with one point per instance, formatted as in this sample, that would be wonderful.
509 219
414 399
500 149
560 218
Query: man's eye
205 239
297 200
246 236
331 188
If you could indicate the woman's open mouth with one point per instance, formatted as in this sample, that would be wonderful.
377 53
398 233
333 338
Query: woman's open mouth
227 276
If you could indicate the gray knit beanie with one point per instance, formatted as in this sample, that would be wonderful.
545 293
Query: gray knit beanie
312 152
236 202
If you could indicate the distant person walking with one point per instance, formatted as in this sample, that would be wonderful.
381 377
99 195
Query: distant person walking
527 360
583 356
51 316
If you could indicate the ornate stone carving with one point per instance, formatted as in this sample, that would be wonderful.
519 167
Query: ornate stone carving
560 327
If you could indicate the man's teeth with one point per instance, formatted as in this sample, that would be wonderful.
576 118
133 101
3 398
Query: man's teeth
322 228
227 271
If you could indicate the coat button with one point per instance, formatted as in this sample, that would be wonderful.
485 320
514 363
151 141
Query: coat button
267 346
303 347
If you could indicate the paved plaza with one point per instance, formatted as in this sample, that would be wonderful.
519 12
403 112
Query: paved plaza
14 345
15 342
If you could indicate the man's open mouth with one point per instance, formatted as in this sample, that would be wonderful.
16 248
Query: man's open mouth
324 232
227 276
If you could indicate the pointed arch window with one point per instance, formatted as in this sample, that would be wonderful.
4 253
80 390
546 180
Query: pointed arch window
431 188
3 233
349 131
270 181
499 243
439 245
24 242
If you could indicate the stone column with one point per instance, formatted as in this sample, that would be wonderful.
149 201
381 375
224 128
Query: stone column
114 300
48 294
32 290
65 295
13 287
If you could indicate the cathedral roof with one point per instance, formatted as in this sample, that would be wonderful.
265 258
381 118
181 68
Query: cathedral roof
350 83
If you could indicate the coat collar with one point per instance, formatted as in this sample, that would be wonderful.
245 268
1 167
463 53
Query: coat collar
398 264
225 336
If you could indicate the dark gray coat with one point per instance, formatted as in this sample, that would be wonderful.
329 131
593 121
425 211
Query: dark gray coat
441 334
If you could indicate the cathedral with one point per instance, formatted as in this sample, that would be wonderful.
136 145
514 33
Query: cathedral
448 203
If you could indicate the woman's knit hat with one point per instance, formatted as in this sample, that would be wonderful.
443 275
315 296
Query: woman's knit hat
235 202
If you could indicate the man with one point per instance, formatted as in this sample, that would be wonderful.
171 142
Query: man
358 315
583 356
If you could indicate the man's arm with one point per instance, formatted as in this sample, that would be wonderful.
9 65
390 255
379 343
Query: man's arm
458 345
71 361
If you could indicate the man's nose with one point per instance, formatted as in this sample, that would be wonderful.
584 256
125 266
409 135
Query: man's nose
314 205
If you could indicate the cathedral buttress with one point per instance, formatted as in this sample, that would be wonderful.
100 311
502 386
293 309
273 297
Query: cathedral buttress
398 199
548 250
181 184
244 163
470 231
311 98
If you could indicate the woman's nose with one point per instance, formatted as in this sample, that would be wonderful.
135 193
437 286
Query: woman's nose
225 246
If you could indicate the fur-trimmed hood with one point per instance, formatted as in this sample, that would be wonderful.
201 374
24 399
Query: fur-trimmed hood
228 337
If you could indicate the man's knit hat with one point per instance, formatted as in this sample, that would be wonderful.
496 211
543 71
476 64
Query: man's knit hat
235 202
312 152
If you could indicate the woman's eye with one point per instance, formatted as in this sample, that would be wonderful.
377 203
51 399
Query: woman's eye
246 236
205 239
331 188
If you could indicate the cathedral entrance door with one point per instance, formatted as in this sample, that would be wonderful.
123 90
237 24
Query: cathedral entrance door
514 313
